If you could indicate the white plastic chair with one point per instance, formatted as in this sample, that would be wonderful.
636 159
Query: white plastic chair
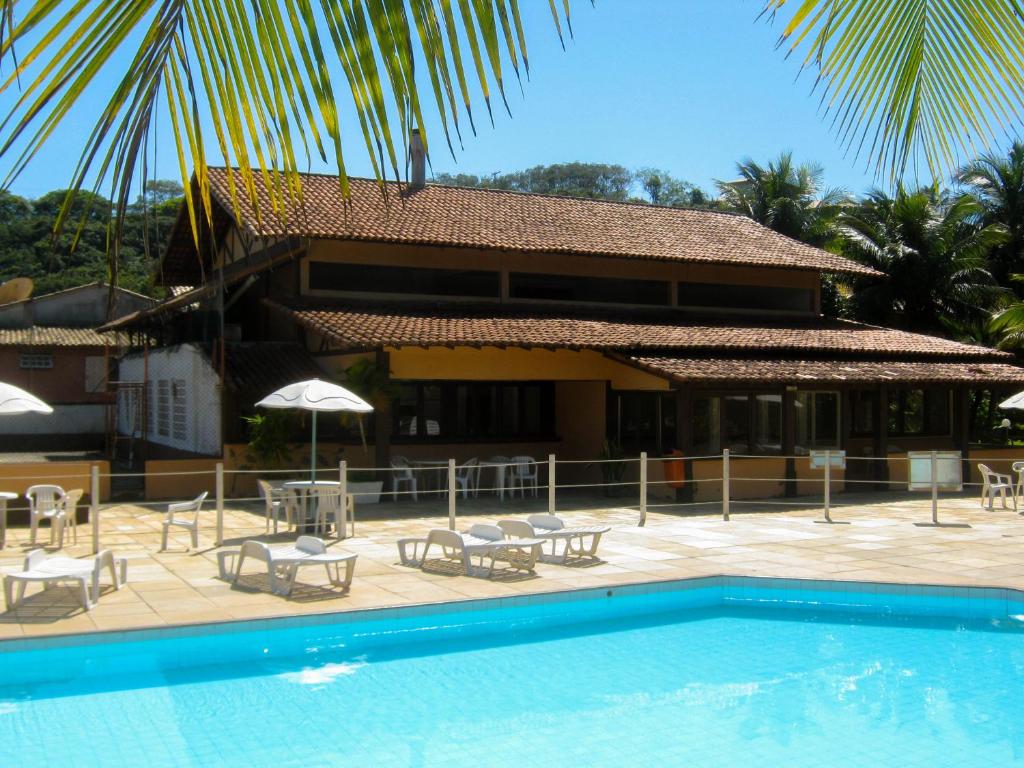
524 473
274 502
45 502
191 525
993 483
328 507
70 504
1018 469
467 478
401 472
579 541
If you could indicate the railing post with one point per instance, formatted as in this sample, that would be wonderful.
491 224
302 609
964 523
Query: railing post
643 488
343 489
94 507
551 483
935 487
220 504
452 488
725 483
828 484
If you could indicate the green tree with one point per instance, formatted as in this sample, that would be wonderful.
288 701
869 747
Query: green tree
997 181
786 197
933 247
661 188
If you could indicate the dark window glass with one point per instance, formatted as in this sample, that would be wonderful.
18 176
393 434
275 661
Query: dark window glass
474 411
643 421
768 423
723 296
862 412
607 290
707 426
368 278
817 420
919 412
736 423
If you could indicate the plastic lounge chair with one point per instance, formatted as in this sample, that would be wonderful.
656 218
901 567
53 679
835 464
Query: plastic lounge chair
84 575
45 503
283 562
486 542
578 541
191 525
993 483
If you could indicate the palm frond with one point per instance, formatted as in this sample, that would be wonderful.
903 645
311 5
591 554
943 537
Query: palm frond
905 80
265 84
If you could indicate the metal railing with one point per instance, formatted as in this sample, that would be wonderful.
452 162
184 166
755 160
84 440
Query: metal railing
511 477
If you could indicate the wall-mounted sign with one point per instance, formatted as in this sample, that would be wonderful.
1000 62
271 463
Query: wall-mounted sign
836 459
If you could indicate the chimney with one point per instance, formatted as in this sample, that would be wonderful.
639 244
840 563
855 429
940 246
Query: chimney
419 170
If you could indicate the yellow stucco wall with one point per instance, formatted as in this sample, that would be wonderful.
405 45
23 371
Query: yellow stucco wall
16 478
494 364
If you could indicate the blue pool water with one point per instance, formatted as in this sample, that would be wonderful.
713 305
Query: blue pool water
715 672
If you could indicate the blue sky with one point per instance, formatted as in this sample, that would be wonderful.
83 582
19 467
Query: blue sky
690 86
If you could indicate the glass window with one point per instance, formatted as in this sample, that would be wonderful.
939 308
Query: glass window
736 423
643 421
923 412
862 412
163 408
474 410
178 410
606 290
817 420
768 423
36 361
369 278
721 295
707 425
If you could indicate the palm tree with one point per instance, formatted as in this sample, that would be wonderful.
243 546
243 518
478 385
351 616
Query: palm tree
261 81
786 197
997 181
933 247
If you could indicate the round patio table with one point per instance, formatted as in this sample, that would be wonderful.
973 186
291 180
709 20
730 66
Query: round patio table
304 489
5 496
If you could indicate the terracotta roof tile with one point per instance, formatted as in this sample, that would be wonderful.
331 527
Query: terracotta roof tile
515 221
54 336
761 371
351 327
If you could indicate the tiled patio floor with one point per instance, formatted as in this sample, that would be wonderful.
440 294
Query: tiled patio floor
882 539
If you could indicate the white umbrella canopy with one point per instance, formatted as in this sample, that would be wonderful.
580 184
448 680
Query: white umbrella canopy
15 401
315 395
1014 403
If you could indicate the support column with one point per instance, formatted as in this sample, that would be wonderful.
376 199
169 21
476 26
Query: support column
962 428
382 417
881 439
684 441
789 439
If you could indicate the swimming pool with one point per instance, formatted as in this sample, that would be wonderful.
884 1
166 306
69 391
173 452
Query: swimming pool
708 672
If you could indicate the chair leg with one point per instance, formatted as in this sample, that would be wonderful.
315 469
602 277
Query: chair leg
194 534
8 593
33 528
163 538
83 593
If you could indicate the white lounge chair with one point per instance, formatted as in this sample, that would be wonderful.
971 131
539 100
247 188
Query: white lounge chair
45 502
486 542
565 541
191 525
283 562
993 483
84 575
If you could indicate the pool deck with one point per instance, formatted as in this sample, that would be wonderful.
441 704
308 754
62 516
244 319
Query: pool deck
881 539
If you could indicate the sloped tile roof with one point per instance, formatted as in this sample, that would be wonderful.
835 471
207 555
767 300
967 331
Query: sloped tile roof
55 336
775 371
515 221
260 368
357 327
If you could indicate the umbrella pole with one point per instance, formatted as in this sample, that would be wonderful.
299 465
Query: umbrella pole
312 459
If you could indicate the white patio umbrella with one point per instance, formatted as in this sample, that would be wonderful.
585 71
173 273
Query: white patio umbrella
15 401
1014 403
315 395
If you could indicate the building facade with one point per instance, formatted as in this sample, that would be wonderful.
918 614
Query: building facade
511 324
